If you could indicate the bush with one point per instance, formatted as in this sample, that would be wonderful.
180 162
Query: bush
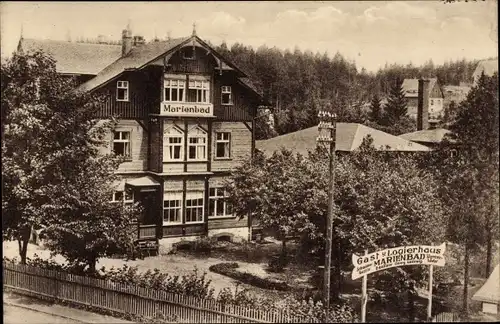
277 263
229 269
202 245
198 286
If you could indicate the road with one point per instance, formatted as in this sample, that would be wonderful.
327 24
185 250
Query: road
18 315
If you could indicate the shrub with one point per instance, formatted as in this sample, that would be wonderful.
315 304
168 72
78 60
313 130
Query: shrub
229 269
198 286
202 245
277 263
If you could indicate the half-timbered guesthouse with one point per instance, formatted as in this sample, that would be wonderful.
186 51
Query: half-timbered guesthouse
186 116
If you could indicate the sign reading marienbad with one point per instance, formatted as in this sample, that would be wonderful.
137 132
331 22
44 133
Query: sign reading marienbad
399 256
187 109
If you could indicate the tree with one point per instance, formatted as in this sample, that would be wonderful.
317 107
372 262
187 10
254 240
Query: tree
55 177
279 203
469 179
381 200
396 107
375 109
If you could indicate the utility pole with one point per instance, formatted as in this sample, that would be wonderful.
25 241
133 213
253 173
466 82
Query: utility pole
327 132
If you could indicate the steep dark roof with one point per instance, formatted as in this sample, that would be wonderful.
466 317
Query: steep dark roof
349 137
410 86
136 58
74 58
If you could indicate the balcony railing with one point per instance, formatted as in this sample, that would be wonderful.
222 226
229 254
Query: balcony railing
147 231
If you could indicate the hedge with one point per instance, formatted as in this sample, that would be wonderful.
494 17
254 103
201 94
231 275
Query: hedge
230 269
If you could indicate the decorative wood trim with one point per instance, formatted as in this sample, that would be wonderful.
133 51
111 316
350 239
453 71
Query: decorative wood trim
184 188
182 117
253 139
159 229
159 161
248 126
209 148
206 199
185 144
142 124
185 162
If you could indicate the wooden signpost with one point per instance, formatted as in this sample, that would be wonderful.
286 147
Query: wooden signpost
395 257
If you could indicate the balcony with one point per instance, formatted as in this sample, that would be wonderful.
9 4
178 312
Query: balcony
186 109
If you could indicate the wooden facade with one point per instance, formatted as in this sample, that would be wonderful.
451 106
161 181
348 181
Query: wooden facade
141 116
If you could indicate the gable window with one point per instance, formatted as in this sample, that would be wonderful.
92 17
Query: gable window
226 95
173 144
121 143
218 206
194 207
174 90
198 91
197 144
223 145
122 91
172 208
188 53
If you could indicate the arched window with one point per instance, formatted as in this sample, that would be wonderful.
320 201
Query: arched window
173 144
197 144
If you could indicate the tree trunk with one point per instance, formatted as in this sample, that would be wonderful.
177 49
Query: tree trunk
283 248
92 262
465 301
489 248
23 240
411 305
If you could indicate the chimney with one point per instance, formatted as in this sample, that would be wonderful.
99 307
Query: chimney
423 105
139 40
126 41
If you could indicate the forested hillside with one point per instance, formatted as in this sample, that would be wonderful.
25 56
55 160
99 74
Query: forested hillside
297 83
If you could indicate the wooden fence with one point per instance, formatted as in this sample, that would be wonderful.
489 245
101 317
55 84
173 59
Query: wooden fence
131 299
446 317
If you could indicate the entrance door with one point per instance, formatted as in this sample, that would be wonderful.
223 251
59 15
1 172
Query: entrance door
148 203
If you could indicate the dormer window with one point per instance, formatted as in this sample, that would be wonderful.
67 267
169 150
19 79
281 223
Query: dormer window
226 95
188 53
122 91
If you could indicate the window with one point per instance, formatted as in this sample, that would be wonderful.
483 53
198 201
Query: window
197 144
172 208
128 199
223 145
173 144
218 206
198 91
121 143
125 197
194 207
122 91
174 90
226 95
188 53
432 101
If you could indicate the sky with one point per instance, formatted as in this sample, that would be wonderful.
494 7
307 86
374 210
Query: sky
372 33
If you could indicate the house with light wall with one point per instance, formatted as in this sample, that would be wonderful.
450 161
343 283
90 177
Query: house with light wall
185 120
435 97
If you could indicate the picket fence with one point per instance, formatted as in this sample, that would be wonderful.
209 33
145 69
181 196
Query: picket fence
130 299
446 318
